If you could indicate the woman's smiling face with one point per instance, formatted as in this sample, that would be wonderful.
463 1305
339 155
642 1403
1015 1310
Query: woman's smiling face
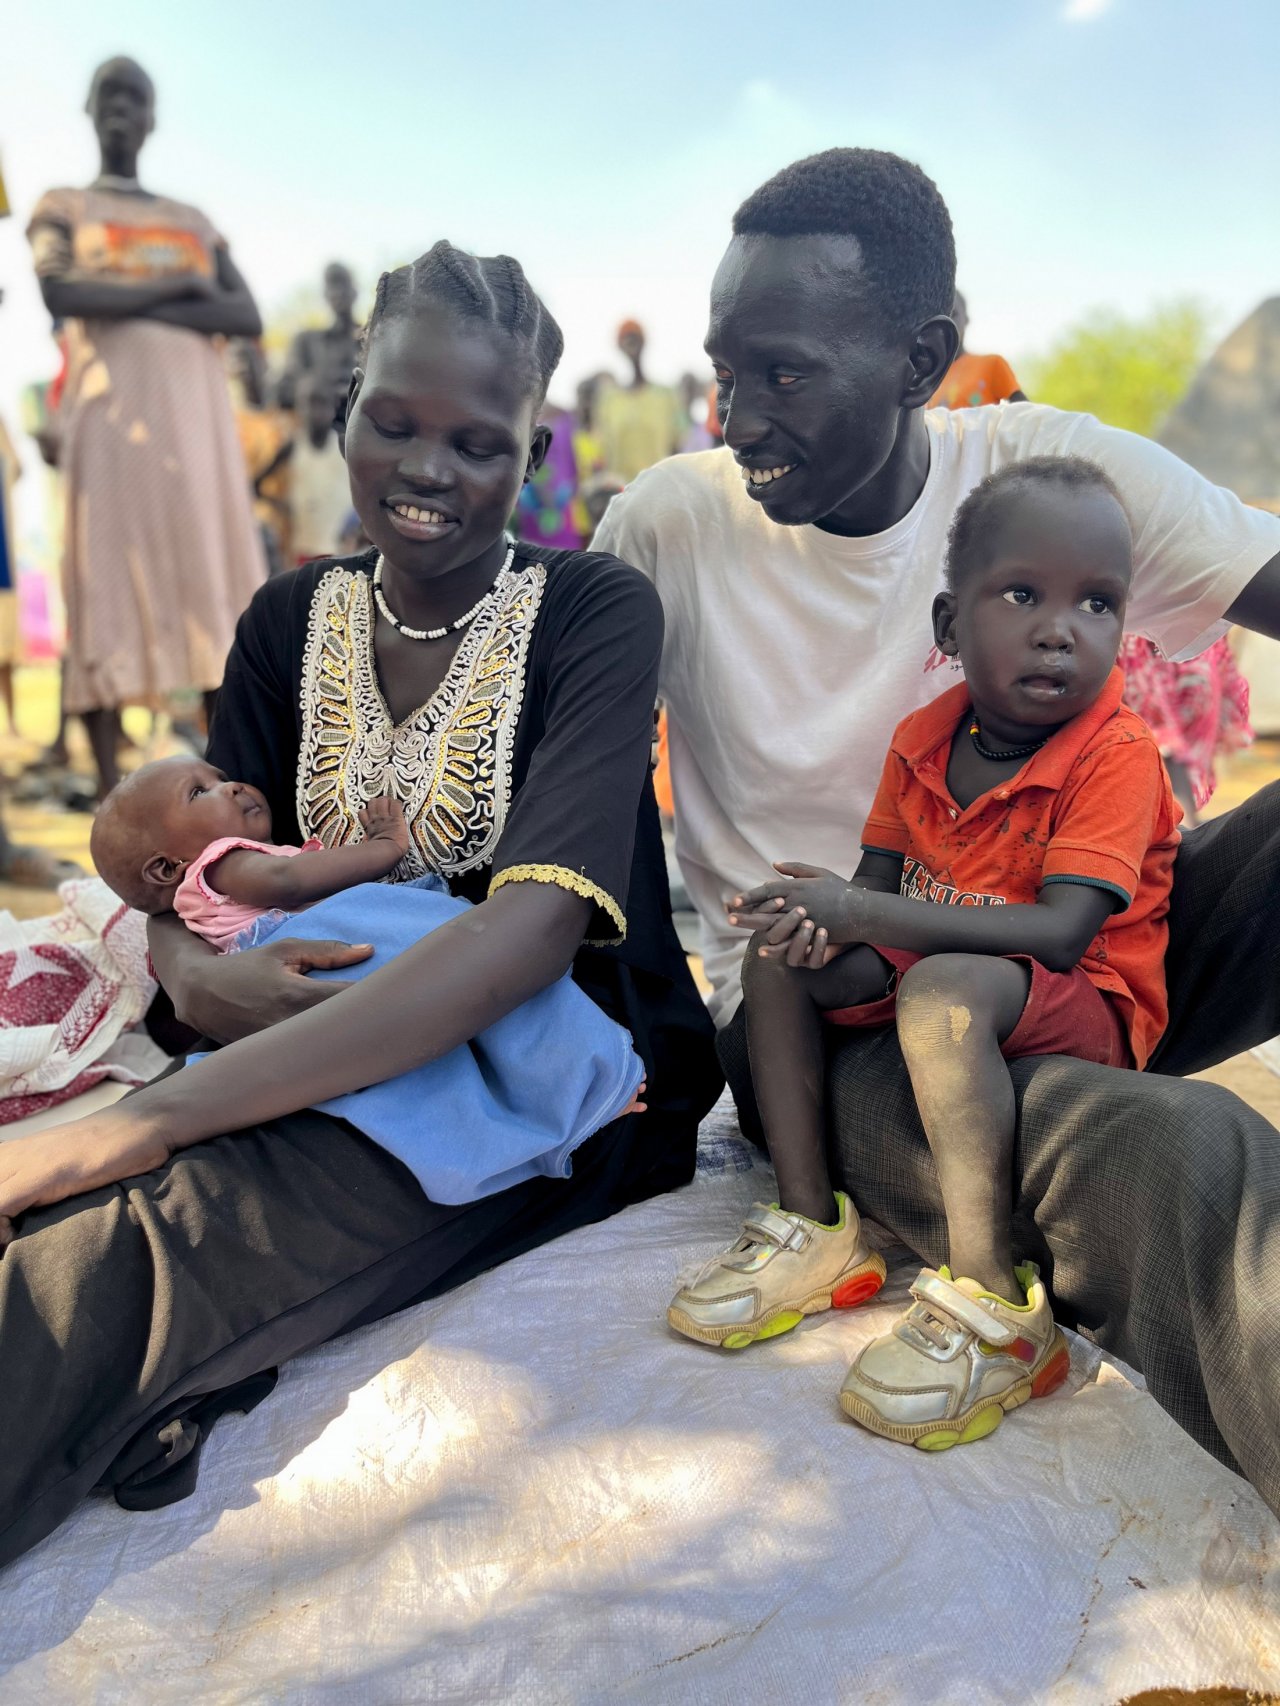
440 437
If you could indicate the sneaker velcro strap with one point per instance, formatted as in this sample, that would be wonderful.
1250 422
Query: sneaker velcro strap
946 1299
773 1227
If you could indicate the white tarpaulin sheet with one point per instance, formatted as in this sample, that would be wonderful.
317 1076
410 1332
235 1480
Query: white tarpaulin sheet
531 1491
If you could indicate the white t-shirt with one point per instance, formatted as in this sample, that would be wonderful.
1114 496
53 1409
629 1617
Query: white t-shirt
319 496
792 654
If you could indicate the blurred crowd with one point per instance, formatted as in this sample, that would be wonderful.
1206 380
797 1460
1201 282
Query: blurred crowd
188 470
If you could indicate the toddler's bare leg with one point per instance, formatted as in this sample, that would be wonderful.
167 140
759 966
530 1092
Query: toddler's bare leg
784 1006
954 1011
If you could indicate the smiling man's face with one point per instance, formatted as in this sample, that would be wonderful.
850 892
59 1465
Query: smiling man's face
810 375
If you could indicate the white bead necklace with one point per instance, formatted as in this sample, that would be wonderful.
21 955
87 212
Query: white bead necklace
436 633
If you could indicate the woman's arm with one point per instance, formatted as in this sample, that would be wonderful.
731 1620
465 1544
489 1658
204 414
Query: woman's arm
229 311
440 993
107 299
443 991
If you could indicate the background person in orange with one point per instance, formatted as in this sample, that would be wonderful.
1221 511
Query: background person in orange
975 379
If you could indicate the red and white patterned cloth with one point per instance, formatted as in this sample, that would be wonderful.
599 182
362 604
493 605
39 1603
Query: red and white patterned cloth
71 989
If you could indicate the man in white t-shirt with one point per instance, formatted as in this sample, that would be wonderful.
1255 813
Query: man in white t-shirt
797 568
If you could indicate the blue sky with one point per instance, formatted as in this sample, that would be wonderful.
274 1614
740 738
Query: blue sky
1093 152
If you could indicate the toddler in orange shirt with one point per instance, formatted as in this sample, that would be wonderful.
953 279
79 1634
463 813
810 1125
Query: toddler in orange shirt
1011 900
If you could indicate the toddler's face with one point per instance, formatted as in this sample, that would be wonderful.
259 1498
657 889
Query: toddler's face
1039 620
191 804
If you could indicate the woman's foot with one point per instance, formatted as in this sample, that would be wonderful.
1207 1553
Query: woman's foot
50 1166
955 1362
782 1268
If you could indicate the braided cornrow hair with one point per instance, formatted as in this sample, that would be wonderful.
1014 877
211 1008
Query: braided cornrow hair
491 288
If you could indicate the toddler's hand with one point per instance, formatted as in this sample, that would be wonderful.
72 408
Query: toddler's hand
383 820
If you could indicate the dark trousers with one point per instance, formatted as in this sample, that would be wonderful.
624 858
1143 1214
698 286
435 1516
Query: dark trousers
1152 1205
133 1316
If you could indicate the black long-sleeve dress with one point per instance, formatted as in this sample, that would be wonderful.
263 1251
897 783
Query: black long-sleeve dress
129 1315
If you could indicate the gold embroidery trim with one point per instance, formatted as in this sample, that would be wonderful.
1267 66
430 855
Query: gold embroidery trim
576 883
449 762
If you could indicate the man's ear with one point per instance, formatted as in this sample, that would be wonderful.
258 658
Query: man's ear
539 445
944 624
933 349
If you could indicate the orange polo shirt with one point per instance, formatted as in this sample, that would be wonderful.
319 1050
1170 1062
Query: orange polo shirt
973 380
1092 806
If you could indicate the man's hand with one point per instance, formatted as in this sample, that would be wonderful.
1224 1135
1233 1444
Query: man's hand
383 820
806 917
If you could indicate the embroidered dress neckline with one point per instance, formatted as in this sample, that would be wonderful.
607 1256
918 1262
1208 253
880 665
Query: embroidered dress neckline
454 677
448 762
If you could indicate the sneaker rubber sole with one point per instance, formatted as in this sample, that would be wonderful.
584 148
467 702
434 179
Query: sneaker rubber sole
854 1286
980 1419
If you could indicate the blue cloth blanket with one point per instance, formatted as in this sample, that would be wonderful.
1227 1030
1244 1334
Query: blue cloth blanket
513 1103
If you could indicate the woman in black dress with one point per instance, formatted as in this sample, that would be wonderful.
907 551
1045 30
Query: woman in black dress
508 704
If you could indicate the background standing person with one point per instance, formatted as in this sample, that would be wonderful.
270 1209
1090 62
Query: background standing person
973 380
161 553
319 491
638 423
1197 709
328 352
266 441
547 512
10 468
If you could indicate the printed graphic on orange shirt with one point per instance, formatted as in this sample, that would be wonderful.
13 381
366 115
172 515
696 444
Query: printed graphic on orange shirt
919 883
142 251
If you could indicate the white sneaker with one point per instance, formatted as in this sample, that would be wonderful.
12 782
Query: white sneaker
781 1269
955 1362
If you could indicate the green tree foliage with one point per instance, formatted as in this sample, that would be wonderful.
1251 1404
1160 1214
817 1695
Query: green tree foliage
1128 372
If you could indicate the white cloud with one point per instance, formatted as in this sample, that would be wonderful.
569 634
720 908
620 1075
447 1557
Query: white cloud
1084 11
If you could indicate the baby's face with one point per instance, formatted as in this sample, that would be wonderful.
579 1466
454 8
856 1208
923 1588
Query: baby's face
191 804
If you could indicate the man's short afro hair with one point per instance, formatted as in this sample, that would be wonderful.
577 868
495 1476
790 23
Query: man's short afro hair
890 206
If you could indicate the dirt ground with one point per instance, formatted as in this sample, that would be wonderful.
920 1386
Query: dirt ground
66 834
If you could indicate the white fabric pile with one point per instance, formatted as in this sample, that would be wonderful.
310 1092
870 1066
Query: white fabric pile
74 990
531 1491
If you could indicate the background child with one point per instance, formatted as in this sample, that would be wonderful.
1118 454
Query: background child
1015 878
514 1103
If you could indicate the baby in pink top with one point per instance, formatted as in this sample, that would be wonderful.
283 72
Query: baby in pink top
179 836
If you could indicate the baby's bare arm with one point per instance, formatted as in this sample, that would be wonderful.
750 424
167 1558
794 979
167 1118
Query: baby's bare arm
265 879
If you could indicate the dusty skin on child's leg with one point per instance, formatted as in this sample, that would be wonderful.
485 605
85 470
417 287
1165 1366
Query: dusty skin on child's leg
954 1011
981 1340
